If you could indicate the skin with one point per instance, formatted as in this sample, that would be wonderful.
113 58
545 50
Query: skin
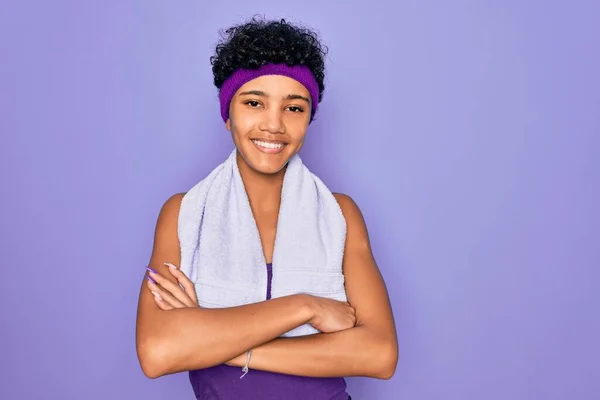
273 109
174 334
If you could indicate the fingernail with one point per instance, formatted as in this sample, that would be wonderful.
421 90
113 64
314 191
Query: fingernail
151 270
150 279
157 295
170 265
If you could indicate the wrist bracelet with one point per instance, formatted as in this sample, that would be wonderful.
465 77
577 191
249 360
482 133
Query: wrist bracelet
245 368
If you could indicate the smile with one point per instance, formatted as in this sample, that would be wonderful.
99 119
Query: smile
269 147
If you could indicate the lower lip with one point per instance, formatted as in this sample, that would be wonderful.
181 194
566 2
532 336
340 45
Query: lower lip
269 150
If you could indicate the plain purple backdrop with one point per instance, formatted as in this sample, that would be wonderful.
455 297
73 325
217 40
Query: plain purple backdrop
467 132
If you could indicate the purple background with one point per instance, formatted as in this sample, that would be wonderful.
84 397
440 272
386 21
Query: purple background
468 133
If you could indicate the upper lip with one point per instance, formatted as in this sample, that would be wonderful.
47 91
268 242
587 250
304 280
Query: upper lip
270 141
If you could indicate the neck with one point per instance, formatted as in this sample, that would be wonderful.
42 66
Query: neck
264 190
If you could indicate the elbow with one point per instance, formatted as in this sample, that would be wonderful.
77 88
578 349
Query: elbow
152 360
387 361
151 369
386 371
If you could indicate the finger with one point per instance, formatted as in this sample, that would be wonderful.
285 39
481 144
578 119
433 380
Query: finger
184 281
160 302
174 290
166 298
352 309
165 295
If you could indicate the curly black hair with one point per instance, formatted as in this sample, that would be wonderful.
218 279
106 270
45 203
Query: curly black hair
257 42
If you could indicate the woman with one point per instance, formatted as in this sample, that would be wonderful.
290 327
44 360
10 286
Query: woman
203 317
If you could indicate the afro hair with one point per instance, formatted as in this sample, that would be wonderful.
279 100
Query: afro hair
258 42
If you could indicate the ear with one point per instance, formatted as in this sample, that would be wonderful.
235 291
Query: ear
228 124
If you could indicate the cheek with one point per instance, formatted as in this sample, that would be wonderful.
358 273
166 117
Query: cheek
244 119
297 131
241 127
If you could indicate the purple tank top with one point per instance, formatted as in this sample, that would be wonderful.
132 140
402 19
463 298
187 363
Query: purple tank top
223 382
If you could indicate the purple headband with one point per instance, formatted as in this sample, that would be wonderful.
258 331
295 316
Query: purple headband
301 73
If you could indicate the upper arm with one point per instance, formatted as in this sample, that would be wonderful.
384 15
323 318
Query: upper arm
365 287
165 249
166 241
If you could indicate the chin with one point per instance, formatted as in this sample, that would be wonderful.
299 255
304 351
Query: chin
267 163
269 171
268 167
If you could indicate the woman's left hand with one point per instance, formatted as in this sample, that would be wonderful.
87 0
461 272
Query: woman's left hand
169 295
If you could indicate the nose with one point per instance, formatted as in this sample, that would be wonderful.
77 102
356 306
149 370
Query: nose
272 121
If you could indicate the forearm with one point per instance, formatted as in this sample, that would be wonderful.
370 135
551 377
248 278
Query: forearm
194 338
351 352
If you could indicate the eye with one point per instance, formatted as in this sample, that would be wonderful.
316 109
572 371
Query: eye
252 103
295 109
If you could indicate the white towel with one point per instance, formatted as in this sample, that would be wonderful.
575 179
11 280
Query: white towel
222 254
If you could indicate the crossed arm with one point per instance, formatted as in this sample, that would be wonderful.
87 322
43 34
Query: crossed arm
194 338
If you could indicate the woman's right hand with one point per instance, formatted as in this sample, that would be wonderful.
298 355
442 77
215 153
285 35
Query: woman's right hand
331 315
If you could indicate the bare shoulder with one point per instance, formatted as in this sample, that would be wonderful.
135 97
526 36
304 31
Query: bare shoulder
351 211
347 204
357 236
172 204
169 215
344 200
166 240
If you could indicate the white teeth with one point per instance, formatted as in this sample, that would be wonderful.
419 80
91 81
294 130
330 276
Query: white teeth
268 145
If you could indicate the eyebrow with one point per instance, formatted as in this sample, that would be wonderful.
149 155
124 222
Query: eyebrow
263 94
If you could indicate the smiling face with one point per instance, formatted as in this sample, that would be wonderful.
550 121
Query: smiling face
268 118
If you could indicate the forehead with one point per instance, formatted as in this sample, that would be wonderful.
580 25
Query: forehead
275 85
